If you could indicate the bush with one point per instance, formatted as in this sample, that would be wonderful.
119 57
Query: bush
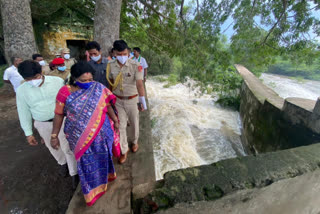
172 80
159 64
230 101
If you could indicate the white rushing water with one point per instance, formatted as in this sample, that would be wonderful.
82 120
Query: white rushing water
287 87
189 130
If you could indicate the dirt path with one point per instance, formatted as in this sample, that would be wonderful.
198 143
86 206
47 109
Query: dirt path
29 180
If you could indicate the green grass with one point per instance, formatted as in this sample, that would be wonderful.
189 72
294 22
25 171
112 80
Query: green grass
2 68
298 71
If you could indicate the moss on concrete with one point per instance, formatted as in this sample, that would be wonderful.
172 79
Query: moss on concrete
213 181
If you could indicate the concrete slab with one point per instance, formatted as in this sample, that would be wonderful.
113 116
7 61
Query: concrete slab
291 196
115 200
261 91
302 103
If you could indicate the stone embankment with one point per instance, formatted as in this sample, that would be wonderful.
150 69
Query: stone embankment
271 123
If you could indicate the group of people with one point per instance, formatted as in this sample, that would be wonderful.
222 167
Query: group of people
83 111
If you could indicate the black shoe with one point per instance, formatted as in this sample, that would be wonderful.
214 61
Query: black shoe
63 171
75 182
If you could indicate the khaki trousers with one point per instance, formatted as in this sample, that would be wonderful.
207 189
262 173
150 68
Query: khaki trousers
63 155
128 111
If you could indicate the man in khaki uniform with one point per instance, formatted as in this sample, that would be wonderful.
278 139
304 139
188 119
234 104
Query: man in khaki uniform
60 69
126 80
69 62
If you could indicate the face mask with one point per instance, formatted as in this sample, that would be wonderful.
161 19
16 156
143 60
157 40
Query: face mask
84 85
122 59
42 63
35 83
67 56
113 57
95 58
62 68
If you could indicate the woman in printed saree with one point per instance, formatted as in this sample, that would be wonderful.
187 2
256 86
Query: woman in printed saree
91 127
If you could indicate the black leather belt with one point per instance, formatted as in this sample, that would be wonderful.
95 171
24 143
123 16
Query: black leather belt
48 120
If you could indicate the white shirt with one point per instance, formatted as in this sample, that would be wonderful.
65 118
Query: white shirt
13 76
142 61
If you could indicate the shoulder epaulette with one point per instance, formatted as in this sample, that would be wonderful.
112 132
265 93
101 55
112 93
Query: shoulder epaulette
111 61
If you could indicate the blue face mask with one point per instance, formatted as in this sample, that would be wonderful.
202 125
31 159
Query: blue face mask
62 68
84 85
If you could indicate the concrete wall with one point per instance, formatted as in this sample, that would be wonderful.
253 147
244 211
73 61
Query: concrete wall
211 182
271 123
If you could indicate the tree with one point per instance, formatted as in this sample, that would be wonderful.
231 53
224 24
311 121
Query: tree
107 23
264 29
17 29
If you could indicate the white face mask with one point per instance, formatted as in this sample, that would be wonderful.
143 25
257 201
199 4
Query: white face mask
122 59
35 83
96 58
67 56
42 63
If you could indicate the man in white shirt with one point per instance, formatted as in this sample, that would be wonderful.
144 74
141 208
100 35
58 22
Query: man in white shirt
141 60
11 74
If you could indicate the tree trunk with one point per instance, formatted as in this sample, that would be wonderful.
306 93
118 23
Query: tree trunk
17 29
107 23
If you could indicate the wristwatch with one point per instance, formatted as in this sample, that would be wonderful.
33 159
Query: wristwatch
54 136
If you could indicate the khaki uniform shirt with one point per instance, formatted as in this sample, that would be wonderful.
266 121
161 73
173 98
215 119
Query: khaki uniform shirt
64 75
45 70
131 72
69 63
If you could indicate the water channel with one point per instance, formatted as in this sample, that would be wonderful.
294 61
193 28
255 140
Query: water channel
189 130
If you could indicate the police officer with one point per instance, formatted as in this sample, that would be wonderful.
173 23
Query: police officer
60 69
126 80
69 62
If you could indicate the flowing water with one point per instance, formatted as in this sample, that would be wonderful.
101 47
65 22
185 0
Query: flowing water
287 87
189 130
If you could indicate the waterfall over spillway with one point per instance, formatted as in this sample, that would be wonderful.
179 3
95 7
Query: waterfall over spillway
288 87
189 130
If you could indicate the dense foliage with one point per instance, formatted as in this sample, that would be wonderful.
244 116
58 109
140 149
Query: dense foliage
265 33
